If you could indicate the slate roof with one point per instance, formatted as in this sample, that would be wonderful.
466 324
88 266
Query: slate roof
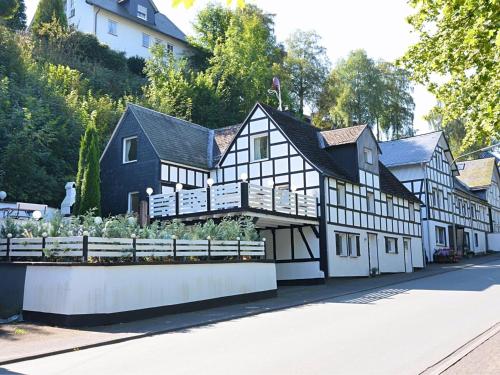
412 150
223 138
308 138
477 174
342 136
174 139
161 23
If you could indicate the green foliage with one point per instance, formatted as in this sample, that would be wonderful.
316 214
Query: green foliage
49 11
124 226
361 90
136 65
457 58
18 19
307 66
8 8
88 177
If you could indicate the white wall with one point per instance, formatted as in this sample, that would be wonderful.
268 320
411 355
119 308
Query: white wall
298 271
101 289
494 241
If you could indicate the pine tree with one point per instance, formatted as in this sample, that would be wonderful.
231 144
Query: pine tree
90 189
18 19
46 12
88 193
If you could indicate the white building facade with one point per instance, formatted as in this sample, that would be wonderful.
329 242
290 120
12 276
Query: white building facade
452 215
130 26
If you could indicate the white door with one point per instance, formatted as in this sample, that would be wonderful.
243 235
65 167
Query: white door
373 254
407 254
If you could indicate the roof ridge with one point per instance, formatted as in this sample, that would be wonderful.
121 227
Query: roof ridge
412 136
169 116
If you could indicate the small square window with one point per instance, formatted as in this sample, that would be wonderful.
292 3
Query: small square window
170 48
368 156
146 40
347 244
158 41
129 150
142 12
133 202
440 236
391 245
260 146
112 27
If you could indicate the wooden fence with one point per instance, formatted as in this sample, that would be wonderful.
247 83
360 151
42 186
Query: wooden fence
83 247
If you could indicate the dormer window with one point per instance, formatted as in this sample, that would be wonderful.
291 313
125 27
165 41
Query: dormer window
368 155
260 147
129 150
142 12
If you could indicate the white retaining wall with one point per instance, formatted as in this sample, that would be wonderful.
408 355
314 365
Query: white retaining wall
78 289
494 241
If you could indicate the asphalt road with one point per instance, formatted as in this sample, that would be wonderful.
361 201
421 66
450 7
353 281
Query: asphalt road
403 329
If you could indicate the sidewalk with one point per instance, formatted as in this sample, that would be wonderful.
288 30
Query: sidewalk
26 341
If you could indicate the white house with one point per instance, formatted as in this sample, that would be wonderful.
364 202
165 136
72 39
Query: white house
452 215
482 177
131 26
323 200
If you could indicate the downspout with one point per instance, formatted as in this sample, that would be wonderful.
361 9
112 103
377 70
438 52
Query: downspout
95 21
323 250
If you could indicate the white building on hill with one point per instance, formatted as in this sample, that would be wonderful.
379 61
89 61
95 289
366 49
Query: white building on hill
131 26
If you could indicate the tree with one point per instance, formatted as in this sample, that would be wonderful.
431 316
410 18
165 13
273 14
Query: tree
307 66
457 58
168 88
46 12
18 19
8 8
88 194
361 90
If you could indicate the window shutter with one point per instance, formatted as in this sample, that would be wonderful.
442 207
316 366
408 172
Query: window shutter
358 249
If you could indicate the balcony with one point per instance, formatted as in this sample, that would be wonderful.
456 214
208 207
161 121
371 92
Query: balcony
235 198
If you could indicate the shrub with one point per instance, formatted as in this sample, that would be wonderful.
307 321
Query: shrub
136 65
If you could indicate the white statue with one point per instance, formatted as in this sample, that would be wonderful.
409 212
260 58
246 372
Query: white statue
69 199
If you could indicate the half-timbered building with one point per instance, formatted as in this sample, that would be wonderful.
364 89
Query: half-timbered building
324 201
424 164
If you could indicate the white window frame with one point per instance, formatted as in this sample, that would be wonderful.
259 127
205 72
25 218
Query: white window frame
110 29
370 203
437 229
144 38
170 48
253 138
129 201
388 240
124 148
352 244
390 206
341 195
142 12
368 153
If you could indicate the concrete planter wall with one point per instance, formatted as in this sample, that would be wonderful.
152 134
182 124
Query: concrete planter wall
76 295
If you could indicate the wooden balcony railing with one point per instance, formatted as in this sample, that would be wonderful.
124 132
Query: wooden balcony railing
239 195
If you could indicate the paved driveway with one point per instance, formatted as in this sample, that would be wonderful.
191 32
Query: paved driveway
401 329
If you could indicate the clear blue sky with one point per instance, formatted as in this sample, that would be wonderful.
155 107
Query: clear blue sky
379 27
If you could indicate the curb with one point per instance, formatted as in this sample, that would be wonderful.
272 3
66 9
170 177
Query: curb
461 352
236 316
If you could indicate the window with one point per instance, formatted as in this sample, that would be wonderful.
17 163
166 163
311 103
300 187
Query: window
406 244
368 155
142 12
440 236
112 27
260 147
158 41
473 211
129 150
347 244
170 48
476 240
145 40
391 245
412 212
390 207
133 202
340 195
71 8
370 202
